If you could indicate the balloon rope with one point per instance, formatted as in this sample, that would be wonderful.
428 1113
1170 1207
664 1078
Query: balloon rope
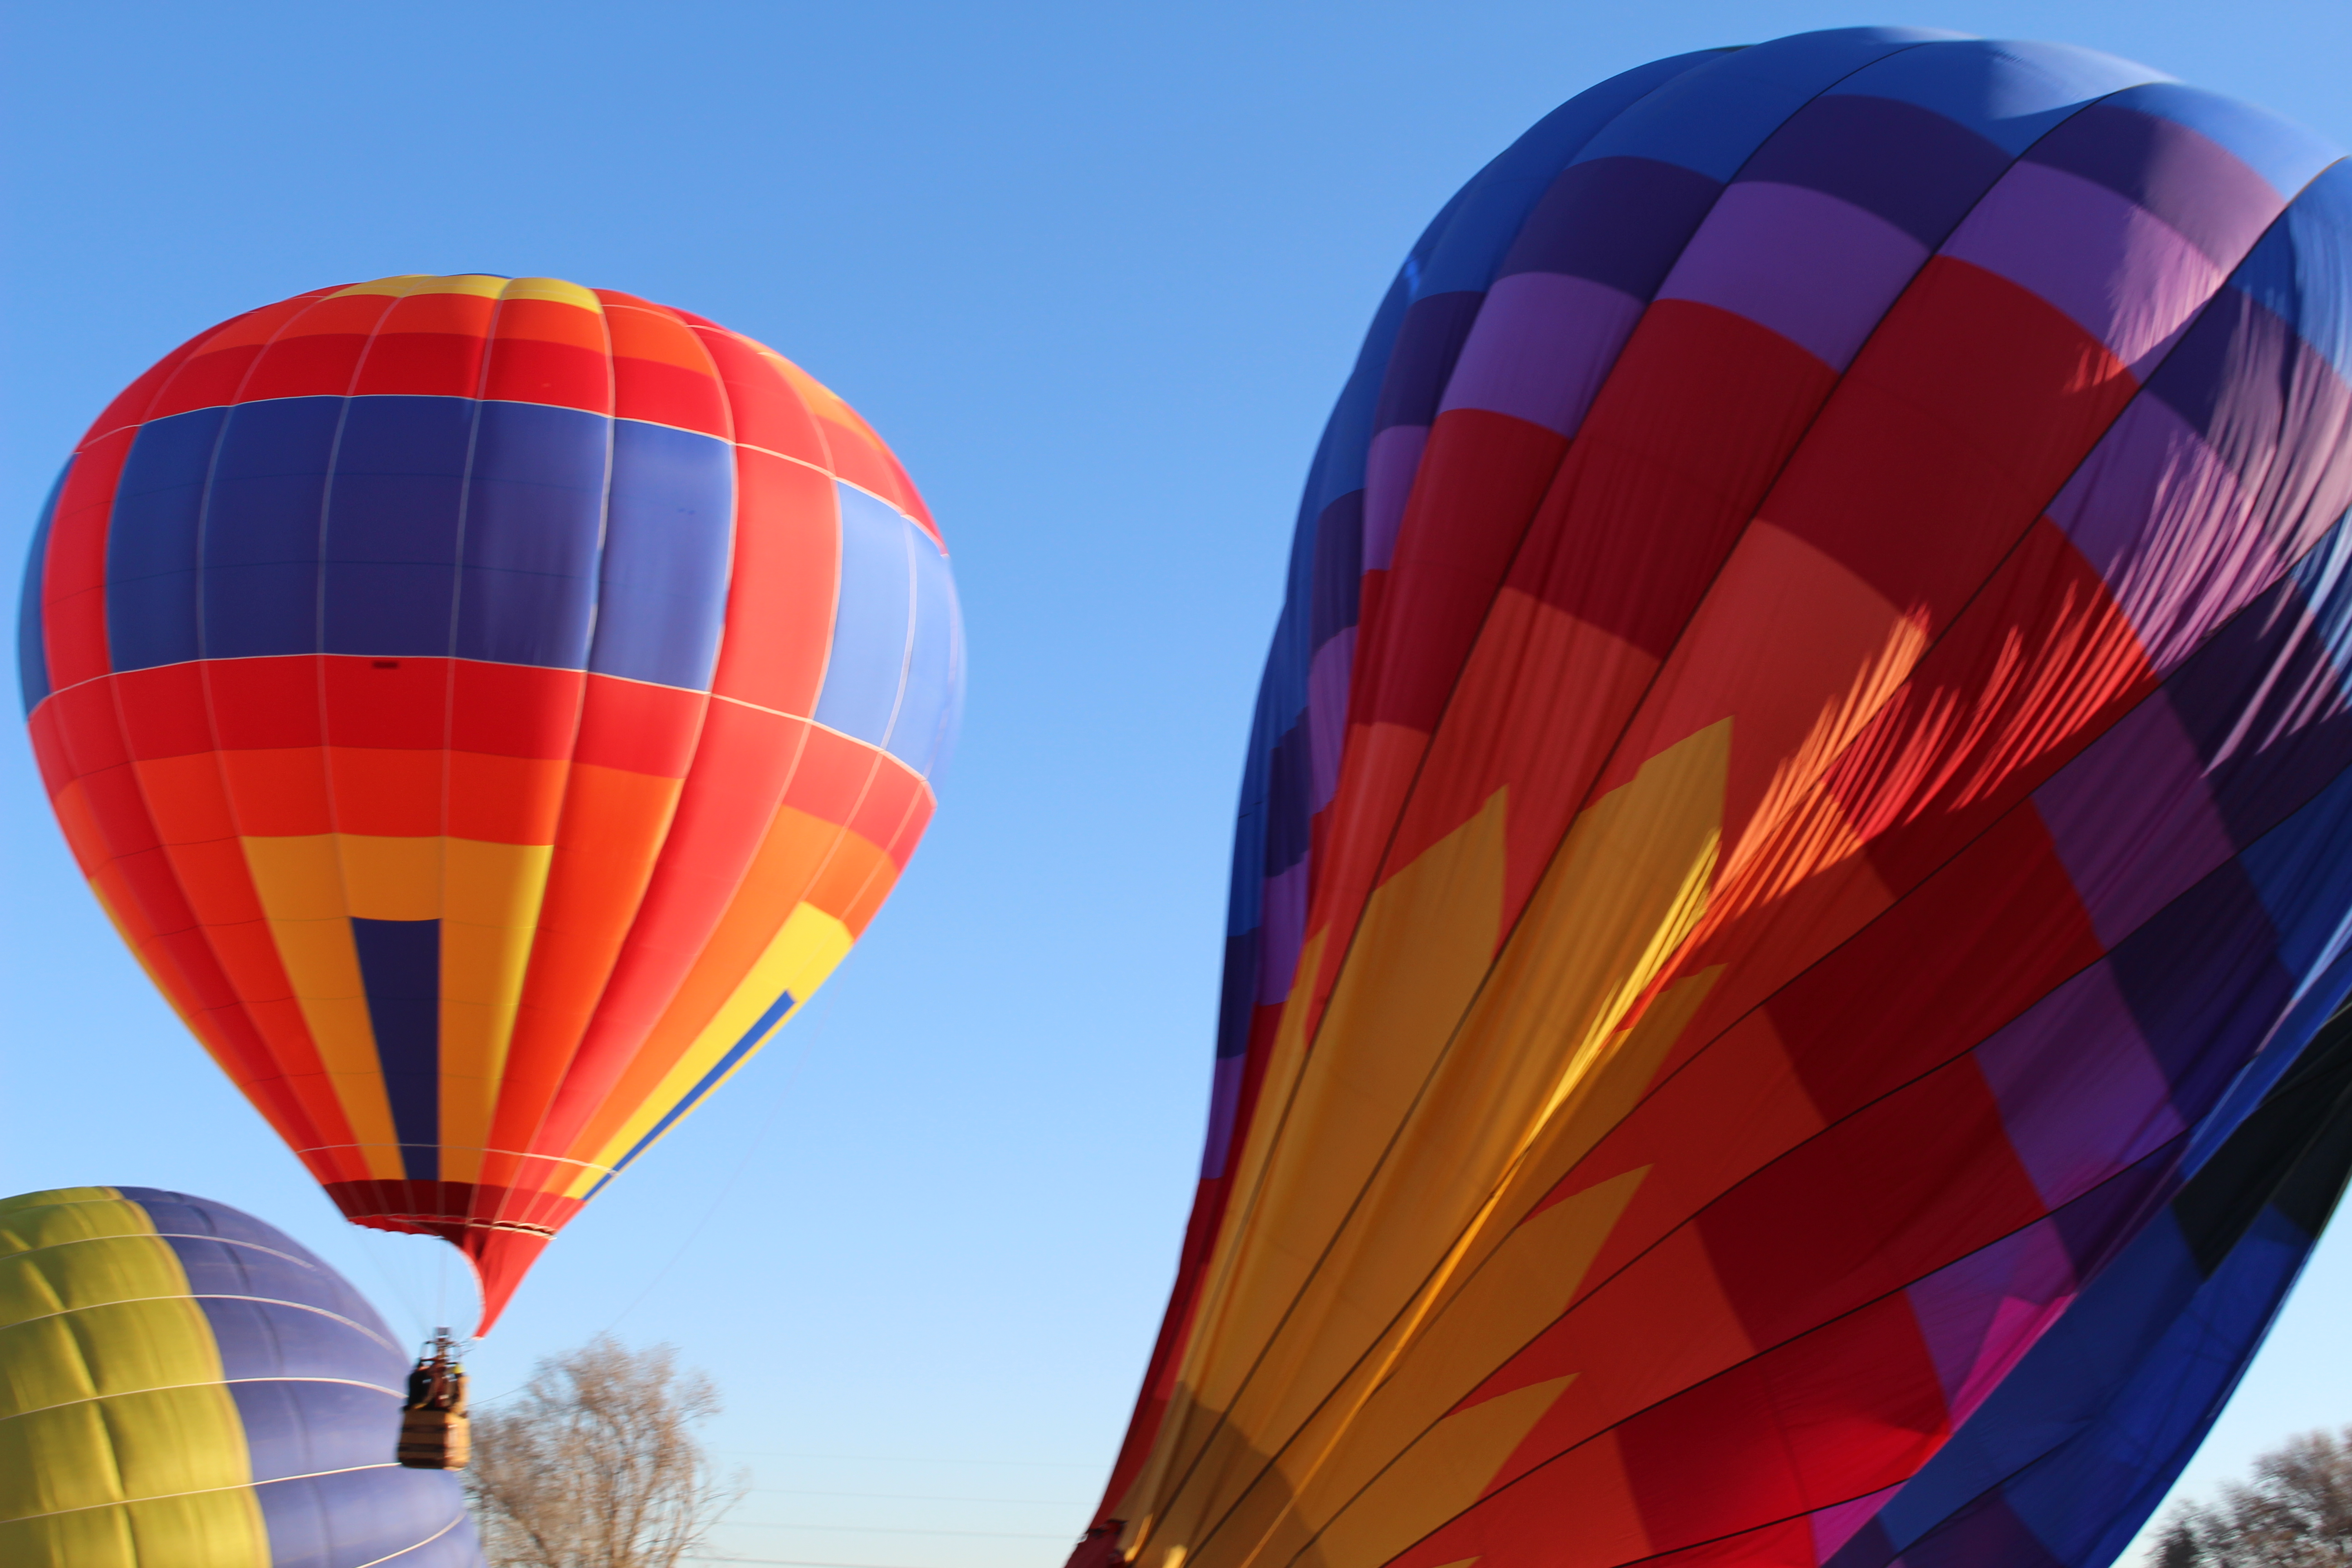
783 1092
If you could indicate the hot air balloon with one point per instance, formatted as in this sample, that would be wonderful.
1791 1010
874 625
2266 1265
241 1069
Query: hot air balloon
186 1387
1793 862
489 708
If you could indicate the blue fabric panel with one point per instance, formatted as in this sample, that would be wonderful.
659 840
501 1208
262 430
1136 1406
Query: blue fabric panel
2300 870
2202 978
2280 151
1710 119
1909 166
534 523
400 965
669 536
393 526
330 1317
2262 704
2178 173
1488 211
2009 91
1619 221
400 1519
264 1339
151 541
869 662
1338 469
32 651
920 733
299 1426
1427 345
263 511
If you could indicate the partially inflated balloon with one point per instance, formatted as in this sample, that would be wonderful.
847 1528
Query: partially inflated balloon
182 1387
1797 845
489 708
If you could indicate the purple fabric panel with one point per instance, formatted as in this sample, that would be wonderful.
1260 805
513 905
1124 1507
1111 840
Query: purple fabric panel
2272 407
1283 932
2204 979
2125 276
2190 181
2131 819
1618 221
1426 347
2168 527
2263 706
1224 1099
1909 166
1326 713
1817 270
2080 1096
1980 1314
1389 468
1542 347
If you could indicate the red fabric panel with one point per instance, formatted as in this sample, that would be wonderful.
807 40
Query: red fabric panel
73 583
832 776
1839 1414
1870 1207
516 710
266 703
643 729
133 403
427 345
1978 727
385 702
740 768
1943 969
1578 1512
787 569
162 711
545 351
766 412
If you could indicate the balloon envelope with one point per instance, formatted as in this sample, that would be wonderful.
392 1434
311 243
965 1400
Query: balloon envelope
1793 858
488 707
186 1387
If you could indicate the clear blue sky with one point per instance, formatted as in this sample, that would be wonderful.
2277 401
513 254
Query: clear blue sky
1096 271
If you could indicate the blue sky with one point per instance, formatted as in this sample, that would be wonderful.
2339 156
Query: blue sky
1095 272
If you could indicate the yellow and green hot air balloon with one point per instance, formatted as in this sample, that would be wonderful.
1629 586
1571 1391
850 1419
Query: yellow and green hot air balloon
183 1386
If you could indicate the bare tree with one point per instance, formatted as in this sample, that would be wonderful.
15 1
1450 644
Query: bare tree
596 1464
2296 1513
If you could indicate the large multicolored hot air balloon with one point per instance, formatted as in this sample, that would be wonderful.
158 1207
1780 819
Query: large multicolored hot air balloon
488 707
1797 850
182 1387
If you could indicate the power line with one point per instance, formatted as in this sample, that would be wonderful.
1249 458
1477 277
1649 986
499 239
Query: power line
922 1497
890 1530
910 1459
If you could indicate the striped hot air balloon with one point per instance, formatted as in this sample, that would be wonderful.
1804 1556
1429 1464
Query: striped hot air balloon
489 708
1797 849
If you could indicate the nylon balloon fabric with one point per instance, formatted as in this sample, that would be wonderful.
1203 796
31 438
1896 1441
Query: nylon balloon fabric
488 707
186 1387
1792 860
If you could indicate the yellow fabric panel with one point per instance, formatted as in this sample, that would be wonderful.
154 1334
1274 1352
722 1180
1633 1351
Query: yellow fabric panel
490 916
476 284
119 1444
1425 943
300 881
487 897
1412 1115
554 288
807 950
1435 1479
